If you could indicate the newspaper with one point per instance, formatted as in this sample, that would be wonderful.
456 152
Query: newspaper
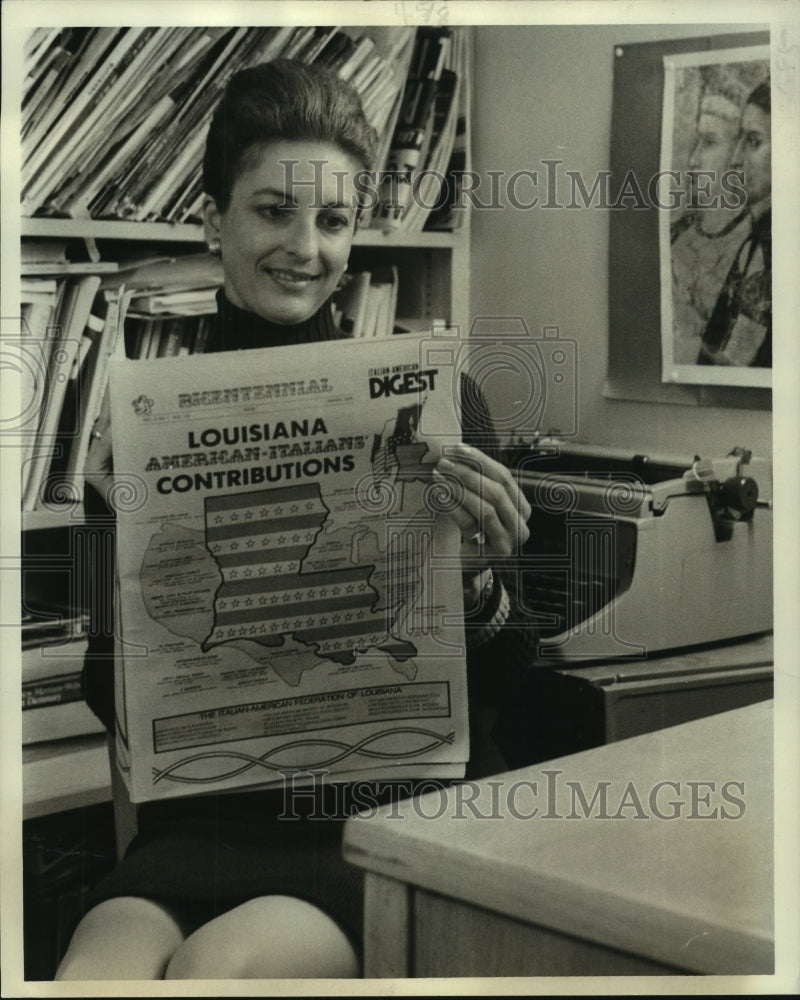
289 597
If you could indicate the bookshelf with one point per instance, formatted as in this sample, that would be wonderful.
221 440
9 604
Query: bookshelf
83 245
436 262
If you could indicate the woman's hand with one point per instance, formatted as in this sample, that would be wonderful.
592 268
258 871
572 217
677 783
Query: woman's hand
493 511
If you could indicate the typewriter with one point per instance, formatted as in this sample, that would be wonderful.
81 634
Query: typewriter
633 554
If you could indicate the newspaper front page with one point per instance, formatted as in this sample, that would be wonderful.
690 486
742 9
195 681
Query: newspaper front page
289 595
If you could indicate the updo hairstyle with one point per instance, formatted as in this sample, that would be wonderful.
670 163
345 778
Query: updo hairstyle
281 100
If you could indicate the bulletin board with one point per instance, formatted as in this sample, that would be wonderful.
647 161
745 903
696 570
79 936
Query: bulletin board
635 359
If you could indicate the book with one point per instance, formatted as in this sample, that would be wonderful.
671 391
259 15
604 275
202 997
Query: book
109 169
111 113
194 301
111 343
39 303
43 168
315 48
435 154
63 482
171 337
43 252
96 45
38 87
352 302
413 129
381 303
83 386
448 213
191 115
53 706
71 321
362 49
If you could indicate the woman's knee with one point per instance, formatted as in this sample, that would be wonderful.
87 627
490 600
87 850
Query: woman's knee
122 938
271 937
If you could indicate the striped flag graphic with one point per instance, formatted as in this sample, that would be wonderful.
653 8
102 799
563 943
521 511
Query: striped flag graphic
260 540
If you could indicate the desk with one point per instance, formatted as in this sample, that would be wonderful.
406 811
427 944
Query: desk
458 895
577 706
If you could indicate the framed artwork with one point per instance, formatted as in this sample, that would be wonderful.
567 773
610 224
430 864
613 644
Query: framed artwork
715 222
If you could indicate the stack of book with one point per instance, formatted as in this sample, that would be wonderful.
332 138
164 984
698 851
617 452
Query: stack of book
427 151
367 305
66 327
172 306
52 701
54 644
71 328
114 119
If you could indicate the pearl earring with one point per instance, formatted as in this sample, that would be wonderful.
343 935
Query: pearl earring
215 246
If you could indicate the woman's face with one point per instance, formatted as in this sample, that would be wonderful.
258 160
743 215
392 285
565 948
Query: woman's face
287 230
714 140
753 153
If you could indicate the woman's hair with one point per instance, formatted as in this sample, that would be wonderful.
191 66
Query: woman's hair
281 100
761 97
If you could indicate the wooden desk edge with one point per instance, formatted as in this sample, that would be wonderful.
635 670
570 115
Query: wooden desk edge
550 901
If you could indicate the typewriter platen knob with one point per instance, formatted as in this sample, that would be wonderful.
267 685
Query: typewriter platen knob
739 493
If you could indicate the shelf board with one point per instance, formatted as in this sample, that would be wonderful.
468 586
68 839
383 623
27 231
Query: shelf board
60 270
65 774
102 229
33 520
167 232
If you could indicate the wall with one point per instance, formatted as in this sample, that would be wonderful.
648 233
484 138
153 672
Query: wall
545 92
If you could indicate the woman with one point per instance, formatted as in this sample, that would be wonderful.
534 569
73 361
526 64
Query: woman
705 239
739 330
216 886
